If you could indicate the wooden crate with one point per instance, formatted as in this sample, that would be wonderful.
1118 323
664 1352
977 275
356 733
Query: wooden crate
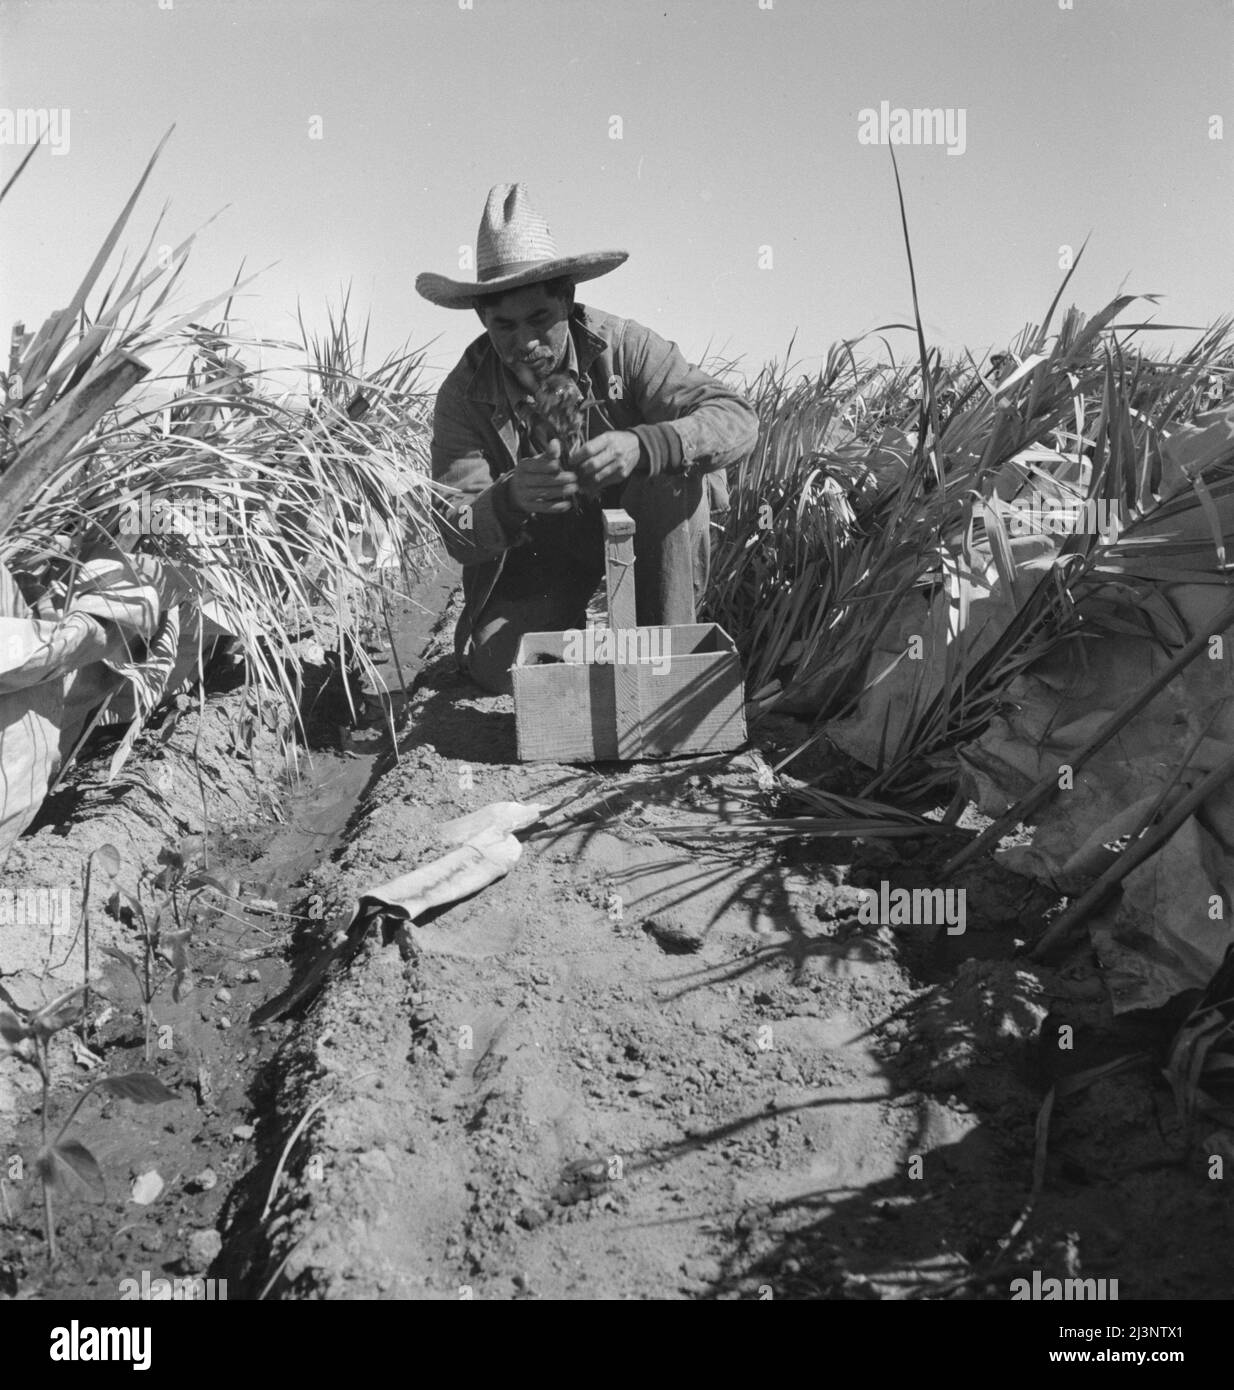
582 697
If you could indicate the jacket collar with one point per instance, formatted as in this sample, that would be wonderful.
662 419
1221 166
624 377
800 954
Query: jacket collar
488 381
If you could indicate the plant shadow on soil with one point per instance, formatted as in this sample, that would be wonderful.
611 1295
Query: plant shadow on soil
966 1064
947 1068
904 1172
485 736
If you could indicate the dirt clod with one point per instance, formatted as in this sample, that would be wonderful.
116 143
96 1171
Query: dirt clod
202 1249
147 1187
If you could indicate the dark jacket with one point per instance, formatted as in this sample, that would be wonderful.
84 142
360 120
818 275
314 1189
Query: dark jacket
685 420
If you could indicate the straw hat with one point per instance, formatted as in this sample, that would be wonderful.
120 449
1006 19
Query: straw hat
514 248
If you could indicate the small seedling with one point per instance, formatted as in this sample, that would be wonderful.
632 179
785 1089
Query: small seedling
161 940
158 945
63 1164
108 857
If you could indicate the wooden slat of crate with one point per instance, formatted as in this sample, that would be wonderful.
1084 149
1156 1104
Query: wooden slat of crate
563 711
619 585
697 705
568 711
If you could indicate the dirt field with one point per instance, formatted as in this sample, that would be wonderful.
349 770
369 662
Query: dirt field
652 1062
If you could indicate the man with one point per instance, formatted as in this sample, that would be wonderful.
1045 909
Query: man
525 522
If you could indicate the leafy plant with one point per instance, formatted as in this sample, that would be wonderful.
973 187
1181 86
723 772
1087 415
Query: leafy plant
875 486
64 1164
164 942
1200 1066
308 502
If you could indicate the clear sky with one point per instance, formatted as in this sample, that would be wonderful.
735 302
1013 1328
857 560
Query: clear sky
739 126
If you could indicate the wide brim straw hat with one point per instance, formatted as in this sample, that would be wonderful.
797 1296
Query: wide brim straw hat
514 247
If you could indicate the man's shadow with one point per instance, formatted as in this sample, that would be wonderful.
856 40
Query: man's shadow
457 718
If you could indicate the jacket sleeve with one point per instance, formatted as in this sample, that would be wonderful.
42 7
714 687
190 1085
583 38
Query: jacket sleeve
692 421
474 516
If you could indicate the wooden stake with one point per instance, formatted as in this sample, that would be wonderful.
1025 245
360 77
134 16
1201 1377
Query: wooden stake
622 615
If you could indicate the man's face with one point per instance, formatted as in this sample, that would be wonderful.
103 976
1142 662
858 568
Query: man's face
529 329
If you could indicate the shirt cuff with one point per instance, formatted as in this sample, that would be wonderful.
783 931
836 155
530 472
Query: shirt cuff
660 447
512 520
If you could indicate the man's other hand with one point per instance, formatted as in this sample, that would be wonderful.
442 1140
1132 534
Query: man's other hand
540 484
607 459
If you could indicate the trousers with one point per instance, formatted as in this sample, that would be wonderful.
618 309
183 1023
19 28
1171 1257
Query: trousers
545 584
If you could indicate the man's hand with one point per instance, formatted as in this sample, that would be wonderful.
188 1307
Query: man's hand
540 484
607 459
